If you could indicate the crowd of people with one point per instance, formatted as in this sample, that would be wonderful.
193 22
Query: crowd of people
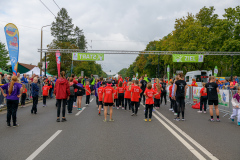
119 93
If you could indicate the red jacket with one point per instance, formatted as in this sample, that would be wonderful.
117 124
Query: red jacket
62 89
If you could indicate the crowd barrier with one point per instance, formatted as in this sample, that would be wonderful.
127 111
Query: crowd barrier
224 98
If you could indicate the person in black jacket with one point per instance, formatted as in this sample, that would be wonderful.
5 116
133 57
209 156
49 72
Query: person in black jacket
164 92
143 85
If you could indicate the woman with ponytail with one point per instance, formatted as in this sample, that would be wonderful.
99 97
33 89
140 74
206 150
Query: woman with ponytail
13 92
62 92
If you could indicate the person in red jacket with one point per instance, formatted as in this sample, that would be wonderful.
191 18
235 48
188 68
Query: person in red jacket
203 99
149 93
157 97
88 92
115 97
127 96
62 92
45 93
120 93
108 100
170 96
135 95
100 97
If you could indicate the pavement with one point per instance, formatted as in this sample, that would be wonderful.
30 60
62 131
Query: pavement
85 136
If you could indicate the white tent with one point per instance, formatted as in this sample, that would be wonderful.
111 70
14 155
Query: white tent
36 71
116 76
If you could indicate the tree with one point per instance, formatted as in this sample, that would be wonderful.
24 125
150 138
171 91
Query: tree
123 72
4 56
80 38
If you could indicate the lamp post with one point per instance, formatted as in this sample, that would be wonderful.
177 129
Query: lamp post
41 49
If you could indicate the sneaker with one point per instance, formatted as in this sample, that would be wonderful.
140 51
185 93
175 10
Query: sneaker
205 112
64 119
177 119
58 120
123 108
8 125
170 109
132 114
150 120
111 120
238 124
232 119
175 114
104 120
102 109
173 111
15 125
199 111
120 106
145 120
183 119
153 110
211 120
218 120
80 109
117 107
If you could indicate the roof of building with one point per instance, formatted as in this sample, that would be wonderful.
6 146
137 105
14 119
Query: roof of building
28 66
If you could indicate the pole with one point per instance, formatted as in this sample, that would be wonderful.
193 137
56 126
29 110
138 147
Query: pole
232 69
45 65
41 54
158 67
71 67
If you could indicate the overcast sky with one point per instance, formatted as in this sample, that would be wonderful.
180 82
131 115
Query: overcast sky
111 25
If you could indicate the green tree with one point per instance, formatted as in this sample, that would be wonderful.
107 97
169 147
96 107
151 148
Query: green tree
4 56
123 72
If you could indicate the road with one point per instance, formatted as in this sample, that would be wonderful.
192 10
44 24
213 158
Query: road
86 136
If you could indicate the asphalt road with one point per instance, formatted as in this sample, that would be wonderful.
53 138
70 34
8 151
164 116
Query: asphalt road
86 136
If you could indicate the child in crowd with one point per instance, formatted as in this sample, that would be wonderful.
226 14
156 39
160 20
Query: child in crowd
88 92
45 93
24 95
149 94
115 97
135 96
120 90
236 106
35 90
170 95
127 95
157 97
100 97
203 99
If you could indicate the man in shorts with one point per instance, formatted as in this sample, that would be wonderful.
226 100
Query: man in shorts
108 100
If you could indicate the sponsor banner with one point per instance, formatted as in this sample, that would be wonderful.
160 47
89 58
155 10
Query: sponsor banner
196 92
12 37
58 59
188 58
223 98
88 56
187 93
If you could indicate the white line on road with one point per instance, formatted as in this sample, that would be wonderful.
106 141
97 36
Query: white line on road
91 100
44 145
80 111
204 150
185 143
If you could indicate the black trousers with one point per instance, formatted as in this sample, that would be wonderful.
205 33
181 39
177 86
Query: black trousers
12 106
35 102
157 102
23 99
180 105
63 102
70 104
44 100
136 105
97 102
121 99
150 108
128 102
203 100
171 104
142 96
174 106
163 95
116 102
87 99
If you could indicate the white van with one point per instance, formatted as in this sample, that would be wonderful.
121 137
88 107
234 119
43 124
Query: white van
200 76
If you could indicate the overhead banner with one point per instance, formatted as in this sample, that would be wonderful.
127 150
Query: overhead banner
58 59
12 37
88 56
192 58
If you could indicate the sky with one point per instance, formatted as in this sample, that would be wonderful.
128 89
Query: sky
107 25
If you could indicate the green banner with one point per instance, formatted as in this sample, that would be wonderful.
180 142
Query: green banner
194 58
88 56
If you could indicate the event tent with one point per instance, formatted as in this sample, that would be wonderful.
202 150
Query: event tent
36 71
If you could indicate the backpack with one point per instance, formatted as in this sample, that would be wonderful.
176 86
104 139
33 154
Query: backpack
72 93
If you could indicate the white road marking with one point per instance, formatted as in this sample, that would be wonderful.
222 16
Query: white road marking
80 111
185 143
91 100
44 145
204 150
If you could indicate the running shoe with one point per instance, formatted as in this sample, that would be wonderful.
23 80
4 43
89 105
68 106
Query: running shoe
58 120
64 119
177 119
205 112
102 109
199 111
150 120
117 107
111 120
108 114
132 114
170 109
8 125
232 119
80 109
104 120
211 120
74 106
145 120
15 125
153 110
123 108
175 114
238 123
183 119
218 120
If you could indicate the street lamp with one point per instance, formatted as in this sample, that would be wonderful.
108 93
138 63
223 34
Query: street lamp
41 50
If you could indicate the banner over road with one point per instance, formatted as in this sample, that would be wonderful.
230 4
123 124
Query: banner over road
192 58
88 56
